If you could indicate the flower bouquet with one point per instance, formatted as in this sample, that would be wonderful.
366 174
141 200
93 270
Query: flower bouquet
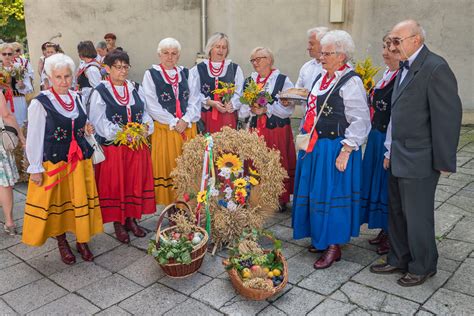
367 72
133 135
18 72
257 273
255 96
226 92
5 78
180 248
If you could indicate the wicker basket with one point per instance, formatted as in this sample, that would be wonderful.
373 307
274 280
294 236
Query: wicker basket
257 294
180 270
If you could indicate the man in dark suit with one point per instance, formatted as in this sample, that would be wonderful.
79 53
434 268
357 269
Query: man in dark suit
425 123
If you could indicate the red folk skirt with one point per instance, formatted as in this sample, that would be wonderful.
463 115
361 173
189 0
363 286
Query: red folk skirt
223 119
281 138
125 183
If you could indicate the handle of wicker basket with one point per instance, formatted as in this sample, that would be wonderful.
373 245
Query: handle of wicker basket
165 211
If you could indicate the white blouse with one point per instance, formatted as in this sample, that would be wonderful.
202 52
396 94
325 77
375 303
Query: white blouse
272 109
308 73
195 83
156 110
93 75
37 124
103 126
356 109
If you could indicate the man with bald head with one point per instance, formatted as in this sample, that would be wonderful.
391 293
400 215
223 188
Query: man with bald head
425 126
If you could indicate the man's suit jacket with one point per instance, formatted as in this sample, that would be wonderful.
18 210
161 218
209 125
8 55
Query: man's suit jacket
426 118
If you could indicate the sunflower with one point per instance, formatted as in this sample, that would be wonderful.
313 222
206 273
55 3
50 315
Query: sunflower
201 197
253 181
240 183
240 193
254 172
230 161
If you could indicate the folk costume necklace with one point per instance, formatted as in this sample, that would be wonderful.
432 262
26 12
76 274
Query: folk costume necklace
264 82
122 100
216 72
67 106
174 82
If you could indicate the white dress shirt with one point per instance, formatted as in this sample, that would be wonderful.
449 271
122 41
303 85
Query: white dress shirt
195 82
411 59
156 110
308 73
355 107
272 109
103 126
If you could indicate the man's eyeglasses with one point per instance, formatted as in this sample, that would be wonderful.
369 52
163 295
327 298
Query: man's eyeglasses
327 54
395 41
122 67
7 54
257 59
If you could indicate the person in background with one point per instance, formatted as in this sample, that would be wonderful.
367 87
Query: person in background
62 195
326 204
175 109
8 170
423 138
374 194
22 60
101 48
49 50
273 119
110 39
88 73
125 178
205 77
312 68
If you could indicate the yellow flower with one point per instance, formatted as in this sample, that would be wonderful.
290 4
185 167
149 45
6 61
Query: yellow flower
230 161
253 181
241 192
201 197
253 172
240 183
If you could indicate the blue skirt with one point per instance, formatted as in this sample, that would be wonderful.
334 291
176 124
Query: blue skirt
374 204
326 203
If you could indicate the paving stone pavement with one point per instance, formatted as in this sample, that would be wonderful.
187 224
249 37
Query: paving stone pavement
124 280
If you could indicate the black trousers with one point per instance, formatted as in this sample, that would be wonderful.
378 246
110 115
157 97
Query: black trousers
411 227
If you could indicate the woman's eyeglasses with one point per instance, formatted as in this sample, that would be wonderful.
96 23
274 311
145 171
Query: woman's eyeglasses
7 54
122 67
257 59
327 54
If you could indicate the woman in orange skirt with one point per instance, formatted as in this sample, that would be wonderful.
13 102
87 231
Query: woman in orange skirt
62 194
175 109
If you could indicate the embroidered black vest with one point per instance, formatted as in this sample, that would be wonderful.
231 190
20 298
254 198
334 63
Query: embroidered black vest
273 121
82 80
381 103
58 131
333 123
208 83
165 94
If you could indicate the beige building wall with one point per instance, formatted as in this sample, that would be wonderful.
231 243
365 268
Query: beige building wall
279 24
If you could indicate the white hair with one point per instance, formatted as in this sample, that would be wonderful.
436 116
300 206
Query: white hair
212 41
342 41
319 32
266 51
58 61
168 43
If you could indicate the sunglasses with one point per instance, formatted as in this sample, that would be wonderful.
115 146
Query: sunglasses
395 41
7 54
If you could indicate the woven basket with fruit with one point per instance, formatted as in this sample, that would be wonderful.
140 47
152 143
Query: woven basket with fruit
255 272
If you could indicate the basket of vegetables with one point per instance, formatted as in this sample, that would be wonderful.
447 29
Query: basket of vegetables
257 273
179 248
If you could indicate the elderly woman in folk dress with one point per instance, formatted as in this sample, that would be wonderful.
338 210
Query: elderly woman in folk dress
175 109
20 59
88 74
204 77
273 120
326 203
376 159
62 194
18 87
125 178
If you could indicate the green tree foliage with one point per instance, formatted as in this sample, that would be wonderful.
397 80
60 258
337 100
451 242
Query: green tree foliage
12 20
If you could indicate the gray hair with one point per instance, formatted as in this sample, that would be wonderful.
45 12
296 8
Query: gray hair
212 41
342 41
58 61
419 30
101 45
167 43
5 46
319 32
266 50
